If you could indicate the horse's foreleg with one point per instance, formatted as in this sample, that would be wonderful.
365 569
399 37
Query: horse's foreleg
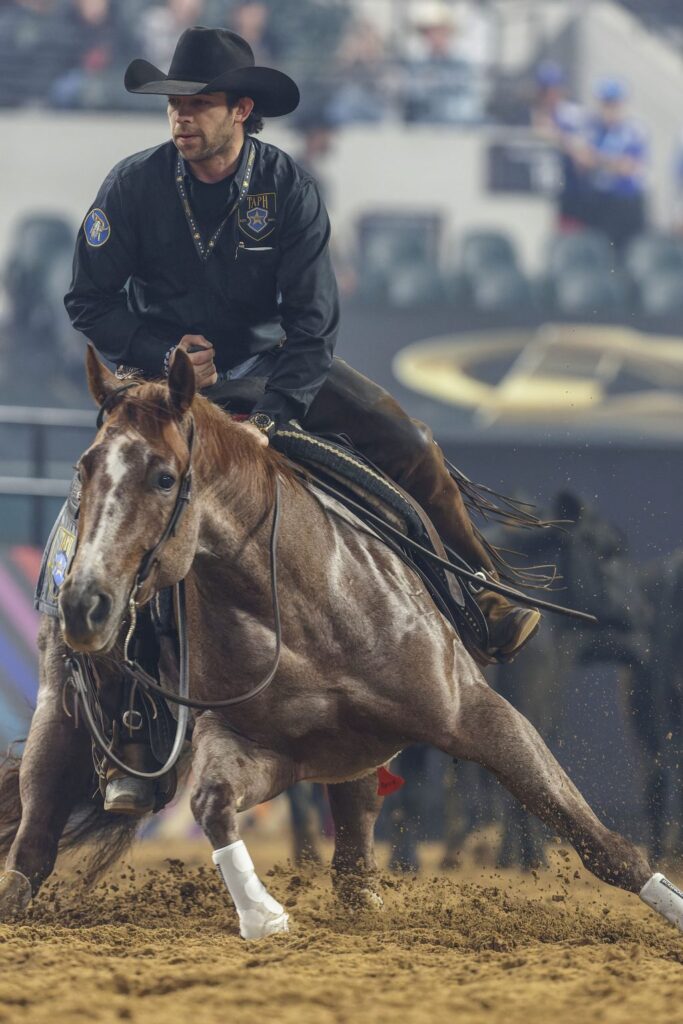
55 771
232 775
355 806
490 731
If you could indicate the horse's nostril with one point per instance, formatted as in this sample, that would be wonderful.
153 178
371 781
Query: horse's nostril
100 608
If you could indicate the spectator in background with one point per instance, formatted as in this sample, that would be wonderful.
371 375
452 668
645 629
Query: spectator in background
35 48
99 38
614 155
160 26
317 133
445 81
561 123
251 20
359 80
678 186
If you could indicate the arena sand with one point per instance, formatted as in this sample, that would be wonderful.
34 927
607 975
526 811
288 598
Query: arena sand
157 942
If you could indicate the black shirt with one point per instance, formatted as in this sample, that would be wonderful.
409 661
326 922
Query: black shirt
147 271
210 202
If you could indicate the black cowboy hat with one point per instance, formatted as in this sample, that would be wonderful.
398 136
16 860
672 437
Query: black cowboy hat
215 60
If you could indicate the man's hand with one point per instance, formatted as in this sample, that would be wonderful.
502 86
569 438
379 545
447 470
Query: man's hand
254 431
203 362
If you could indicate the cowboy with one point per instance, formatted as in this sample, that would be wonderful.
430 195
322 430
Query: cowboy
217 243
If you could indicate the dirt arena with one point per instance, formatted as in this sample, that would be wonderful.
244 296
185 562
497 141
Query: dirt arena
157 941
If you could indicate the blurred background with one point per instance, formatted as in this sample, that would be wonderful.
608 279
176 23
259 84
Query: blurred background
505 182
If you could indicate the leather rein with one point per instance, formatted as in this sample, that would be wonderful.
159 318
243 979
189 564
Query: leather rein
83 677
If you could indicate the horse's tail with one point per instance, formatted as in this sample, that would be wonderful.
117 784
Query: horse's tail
10 802
105 836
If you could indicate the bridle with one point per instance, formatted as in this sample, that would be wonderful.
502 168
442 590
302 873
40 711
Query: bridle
83 677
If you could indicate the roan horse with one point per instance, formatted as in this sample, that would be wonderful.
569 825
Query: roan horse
368 665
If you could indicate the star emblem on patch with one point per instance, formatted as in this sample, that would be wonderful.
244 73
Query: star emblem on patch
258 218
257 215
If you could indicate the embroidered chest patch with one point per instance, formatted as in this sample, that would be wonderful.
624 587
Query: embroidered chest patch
257 215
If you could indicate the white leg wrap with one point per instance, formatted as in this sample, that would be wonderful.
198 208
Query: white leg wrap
664 897
259 913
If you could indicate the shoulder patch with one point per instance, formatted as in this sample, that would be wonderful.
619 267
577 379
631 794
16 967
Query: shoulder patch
257 215
96 228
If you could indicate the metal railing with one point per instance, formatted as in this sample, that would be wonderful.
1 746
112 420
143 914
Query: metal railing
38 485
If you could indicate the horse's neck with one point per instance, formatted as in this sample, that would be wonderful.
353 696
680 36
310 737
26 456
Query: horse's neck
236 509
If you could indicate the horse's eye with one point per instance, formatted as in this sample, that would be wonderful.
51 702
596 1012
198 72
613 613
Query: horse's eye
166 481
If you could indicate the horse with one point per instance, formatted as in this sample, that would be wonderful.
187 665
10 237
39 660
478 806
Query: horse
368 664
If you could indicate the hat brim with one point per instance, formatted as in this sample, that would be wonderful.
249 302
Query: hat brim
274 93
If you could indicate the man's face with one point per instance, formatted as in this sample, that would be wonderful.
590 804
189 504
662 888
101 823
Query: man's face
204 125
612 111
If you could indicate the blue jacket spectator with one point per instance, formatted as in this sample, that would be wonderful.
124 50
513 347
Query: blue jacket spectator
561 122
616 159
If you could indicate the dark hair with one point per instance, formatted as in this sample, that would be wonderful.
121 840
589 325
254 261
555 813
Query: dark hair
254 123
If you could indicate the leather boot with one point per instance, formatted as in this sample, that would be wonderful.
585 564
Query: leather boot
510 626
125 794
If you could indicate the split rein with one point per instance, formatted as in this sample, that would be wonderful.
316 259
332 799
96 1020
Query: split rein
83 677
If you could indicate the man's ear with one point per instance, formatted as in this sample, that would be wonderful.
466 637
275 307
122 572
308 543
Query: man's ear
243 108
181 383
101 381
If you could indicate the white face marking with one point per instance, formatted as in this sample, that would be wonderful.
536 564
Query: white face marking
97 549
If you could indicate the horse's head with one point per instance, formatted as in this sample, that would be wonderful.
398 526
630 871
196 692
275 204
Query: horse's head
131 478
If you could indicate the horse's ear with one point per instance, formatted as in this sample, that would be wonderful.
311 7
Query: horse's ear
101 381
181 382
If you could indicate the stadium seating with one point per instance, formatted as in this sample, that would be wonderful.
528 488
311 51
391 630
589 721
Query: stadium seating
487 277
37 242
589 292
578 250
649 255
398 258
660 294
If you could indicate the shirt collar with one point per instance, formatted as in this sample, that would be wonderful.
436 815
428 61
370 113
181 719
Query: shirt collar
237 177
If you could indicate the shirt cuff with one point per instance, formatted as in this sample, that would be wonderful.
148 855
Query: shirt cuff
279 407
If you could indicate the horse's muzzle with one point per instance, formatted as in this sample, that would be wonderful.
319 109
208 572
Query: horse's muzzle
85 611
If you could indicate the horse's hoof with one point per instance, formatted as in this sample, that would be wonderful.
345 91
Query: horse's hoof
15 895
259 924
369 899
357 894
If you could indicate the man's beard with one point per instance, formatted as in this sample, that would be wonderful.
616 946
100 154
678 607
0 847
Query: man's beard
211 150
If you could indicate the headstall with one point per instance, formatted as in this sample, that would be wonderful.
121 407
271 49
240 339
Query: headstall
83 676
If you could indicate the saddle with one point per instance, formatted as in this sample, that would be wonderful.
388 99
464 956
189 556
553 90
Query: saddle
334 466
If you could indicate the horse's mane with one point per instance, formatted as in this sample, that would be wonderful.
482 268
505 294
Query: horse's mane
222 448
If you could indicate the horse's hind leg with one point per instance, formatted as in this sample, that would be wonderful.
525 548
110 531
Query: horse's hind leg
54 771
234 774
490 731
355 806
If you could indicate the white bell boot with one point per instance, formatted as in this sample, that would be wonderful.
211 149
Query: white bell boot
664 897
260 915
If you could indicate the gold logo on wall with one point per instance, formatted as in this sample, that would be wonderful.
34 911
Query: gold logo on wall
595 375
